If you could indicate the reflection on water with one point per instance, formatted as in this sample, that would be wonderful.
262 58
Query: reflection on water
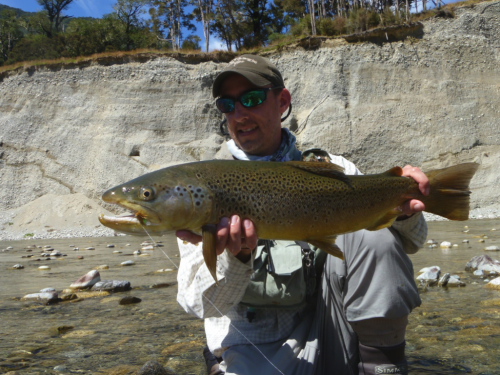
456 330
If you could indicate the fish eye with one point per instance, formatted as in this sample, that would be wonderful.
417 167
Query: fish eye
147 193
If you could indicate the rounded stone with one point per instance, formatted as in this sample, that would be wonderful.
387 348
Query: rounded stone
492 248
44 268
445 244
129 300
127 263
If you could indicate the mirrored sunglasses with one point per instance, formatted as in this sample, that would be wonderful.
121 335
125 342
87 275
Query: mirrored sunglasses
248 99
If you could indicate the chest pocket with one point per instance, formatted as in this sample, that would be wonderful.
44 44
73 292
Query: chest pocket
278 278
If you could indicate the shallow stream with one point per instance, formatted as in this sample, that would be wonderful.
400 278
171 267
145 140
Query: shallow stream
456 330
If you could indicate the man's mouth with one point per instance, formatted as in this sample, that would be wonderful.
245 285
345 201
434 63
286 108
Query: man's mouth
248 130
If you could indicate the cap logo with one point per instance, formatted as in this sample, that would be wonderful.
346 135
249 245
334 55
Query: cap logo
240 60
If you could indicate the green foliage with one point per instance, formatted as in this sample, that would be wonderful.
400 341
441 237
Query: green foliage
361 19
29 235
192 42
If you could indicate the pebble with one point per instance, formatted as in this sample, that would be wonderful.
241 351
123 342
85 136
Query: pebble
90 248
465 241
55 253
42 268
444 280
492 248
165 270
128 244
431 275
71 245
79 257
137 252
455 281
466 231
18 266
110 245
150 247
478 273
60 368
466 227
160 285
102 267
445 244
47 290
481 240
127 263
128 300
117 252
455 245
494 284
493 229
146 243
112 286
9 248
87 280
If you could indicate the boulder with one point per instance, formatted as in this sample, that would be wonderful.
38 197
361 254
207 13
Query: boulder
45 298
484 263
87 280
112 286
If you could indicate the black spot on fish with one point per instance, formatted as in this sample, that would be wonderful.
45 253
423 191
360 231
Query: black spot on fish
198 203
198 190
181 194
196 195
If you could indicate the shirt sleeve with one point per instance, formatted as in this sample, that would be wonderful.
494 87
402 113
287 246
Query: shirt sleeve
413 231
197 292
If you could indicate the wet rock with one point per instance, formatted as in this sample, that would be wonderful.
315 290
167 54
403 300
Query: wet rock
445 244
492 248
69 297
18 266
87 280
117 252
112 286
90 248
80 257
161 285
9 248
165 270
430 275
102 267
44 268
149 247
455 281
63 329
127 263
44 298
481 240
55 253
444 280
137 252
153 368
60 368
129 300
465 241
146 243
494 284
483 262
110 245
432 242
478 273
47 290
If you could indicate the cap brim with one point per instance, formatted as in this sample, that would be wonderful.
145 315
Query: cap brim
254 78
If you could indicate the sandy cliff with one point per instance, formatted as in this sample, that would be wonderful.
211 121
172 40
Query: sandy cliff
73 132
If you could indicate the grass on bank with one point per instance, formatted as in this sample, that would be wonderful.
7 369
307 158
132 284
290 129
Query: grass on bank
333 28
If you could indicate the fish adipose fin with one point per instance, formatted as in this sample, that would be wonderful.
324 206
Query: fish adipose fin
386 220
327 244
449 193
323 169
209 235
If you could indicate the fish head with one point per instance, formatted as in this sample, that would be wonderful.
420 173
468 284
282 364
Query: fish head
160 202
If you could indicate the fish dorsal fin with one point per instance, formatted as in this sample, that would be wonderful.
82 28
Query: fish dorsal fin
386 220
396 171
323 169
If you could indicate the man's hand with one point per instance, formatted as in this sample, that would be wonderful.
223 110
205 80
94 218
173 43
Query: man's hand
240 238
413 205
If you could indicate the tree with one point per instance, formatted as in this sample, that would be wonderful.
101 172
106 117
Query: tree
53 10
128 12
169 18
10 32
204 13
192 42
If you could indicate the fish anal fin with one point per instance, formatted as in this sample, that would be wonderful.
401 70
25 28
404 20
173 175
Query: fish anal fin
395 171
327 244
386 220
209 235
323 169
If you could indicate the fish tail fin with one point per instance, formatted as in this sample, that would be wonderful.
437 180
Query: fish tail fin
449 191
209 233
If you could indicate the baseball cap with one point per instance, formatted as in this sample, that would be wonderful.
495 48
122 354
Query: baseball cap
257 69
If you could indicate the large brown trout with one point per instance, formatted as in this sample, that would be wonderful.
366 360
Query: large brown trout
300 201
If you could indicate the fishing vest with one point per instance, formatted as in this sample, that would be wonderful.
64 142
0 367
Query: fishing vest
285 272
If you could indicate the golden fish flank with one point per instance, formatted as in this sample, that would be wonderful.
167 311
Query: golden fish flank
301 201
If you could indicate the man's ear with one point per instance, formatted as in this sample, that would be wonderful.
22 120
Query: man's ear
285 100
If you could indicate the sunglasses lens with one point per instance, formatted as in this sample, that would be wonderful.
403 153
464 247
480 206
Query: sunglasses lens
225 105
253 98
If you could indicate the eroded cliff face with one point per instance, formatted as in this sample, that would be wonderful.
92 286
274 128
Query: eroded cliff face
430 102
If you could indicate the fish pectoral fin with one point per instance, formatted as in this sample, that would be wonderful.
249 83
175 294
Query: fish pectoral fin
386 220
396 171
327 244
323 169
209 235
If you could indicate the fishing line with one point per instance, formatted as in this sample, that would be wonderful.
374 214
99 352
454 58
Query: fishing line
221 314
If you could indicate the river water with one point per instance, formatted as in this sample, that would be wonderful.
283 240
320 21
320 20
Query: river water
456 330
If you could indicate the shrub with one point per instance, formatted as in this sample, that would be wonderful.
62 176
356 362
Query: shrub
361 19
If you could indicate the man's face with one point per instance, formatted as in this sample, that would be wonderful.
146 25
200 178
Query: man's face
255 130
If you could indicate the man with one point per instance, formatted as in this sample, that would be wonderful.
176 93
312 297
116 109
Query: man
356 321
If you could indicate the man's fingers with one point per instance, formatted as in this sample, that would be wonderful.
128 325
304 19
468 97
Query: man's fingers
222 235
419 177
188 236
412 206
234 244
250 234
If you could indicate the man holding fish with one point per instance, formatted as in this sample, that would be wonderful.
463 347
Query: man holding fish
283 306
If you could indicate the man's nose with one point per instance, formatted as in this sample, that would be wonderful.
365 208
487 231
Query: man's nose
240 112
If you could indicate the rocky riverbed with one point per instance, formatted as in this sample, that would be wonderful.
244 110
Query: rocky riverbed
103 330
